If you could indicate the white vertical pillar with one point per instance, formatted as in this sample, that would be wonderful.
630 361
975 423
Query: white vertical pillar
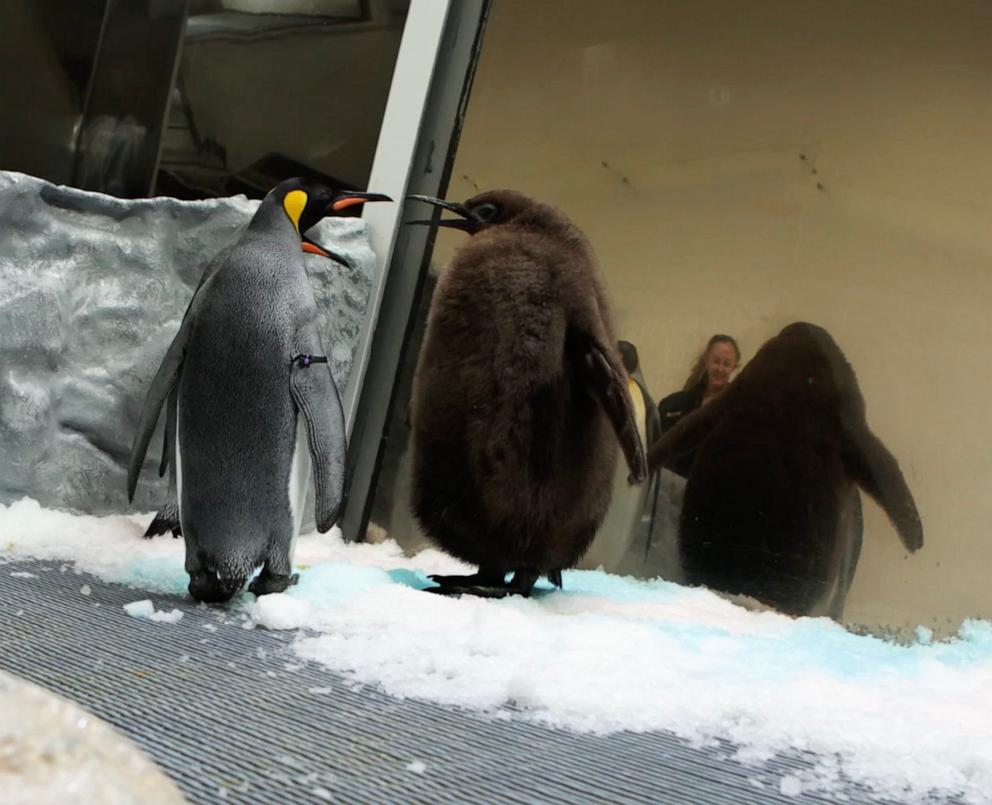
393 158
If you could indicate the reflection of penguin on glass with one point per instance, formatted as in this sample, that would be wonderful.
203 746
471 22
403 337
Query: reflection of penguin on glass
771 509
622 523
709 377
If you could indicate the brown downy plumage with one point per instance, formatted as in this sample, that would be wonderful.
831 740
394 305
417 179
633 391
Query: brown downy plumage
519 399
771 508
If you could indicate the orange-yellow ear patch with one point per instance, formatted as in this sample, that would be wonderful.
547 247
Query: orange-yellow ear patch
344 203
293 203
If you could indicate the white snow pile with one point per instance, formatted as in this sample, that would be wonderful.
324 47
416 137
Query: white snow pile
606 654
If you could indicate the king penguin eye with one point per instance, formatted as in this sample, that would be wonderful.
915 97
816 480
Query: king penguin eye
486 212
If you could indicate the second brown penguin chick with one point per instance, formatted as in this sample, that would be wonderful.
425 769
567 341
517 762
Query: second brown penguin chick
519 399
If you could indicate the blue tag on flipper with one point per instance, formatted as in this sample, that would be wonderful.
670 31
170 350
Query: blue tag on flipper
304 359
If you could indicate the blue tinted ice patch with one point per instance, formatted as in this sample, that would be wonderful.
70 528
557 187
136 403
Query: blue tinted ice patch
156 575
618 588
972 644
416 579
334 582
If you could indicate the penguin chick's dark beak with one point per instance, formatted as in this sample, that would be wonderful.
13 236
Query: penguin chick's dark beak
466 223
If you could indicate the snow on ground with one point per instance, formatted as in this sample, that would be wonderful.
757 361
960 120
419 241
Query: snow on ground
606 654
146 609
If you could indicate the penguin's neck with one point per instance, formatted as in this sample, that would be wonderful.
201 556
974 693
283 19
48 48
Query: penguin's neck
271 218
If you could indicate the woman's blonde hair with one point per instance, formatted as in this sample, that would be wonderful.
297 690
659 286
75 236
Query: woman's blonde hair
697 377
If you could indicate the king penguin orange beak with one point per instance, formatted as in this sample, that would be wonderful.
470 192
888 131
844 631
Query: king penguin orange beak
342 201
309 247
312 248
348 199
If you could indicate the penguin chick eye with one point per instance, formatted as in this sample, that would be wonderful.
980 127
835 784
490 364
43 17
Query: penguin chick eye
486 213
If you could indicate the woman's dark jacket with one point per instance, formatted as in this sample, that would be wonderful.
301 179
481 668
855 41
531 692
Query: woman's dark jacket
672 408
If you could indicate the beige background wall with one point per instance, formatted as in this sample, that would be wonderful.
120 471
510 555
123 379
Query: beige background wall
672 133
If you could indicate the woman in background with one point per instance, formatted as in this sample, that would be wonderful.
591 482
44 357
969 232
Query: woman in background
709 378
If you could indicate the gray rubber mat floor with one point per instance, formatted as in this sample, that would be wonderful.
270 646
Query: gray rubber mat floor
231 714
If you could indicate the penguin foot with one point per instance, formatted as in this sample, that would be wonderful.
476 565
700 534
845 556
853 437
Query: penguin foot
267 583
523 582
166 519
476 579
477 590
489 585
483 585
208 588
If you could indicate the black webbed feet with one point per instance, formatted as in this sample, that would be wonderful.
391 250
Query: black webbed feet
484 585
523 582
211 589
478 590
166 519
488 585
266 583
483 579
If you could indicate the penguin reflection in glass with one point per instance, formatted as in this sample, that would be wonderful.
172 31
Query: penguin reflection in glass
622 526
249 391
771 507
519 398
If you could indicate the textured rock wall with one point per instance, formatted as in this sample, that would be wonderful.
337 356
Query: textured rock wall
92 290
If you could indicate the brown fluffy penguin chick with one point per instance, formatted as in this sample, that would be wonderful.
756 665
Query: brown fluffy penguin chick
519 398
771 508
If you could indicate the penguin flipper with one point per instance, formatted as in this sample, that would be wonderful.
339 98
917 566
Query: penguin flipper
317 400
169 437
872 467
165 383
609 386
162 384
688 433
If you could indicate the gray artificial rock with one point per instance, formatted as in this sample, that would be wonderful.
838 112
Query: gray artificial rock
92 290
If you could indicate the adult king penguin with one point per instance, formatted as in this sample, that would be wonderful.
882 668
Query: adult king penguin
251 401
519 398
771 507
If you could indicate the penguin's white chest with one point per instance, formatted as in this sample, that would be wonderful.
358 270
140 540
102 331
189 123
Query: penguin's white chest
299 475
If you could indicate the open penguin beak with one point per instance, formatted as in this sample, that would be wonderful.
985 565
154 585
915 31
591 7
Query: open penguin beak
348 199
466 223
342 201
313 248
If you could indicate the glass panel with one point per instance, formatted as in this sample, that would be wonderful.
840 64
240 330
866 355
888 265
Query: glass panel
264 90
268 89
45 63
128 96
737 168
